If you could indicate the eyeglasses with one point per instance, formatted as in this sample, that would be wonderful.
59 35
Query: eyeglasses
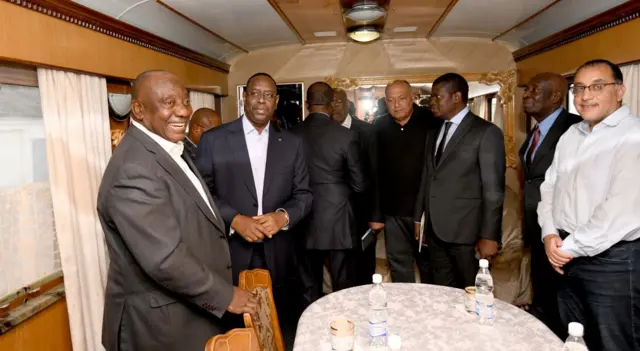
595 89
267 95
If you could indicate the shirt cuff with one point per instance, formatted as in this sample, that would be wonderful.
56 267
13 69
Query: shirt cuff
569 245
286 226
549 229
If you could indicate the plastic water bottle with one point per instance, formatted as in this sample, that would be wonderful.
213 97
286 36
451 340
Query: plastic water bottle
377 314
575 342
484 294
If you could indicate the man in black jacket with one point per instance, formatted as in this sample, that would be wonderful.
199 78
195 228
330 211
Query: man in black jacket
462 188
333 159
362 203
399 156
542 100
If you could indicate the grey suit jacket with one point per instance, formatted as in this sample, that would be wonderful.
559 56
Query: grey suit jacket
169 276
463 195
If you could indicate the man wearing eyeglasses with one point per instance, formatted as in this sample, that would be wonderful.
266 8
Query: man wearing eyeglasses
590 212
258 176
542 100
201 121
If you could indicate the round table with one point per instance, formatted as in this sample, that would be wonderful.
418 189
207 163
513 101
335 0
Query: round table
426 317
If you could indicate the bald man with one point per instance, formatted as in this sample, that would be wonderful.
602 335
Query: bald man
201 121
542 100
169 280
335 173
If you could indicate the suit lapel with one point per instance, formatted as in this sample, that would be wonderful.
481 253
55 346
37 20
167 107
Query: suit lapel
241 154
275 149
459 133
218 217
432 138
523 151
550 139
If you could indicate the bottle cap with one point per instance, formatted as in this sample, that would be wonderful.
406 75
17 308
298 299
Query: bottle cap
377 278
576 329
394 342
484 263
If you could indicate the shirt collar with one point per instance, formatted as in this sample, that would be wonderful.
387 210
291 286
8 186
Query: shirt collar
546 123
189 141
457 119
610 121
173 149
250 129
347 122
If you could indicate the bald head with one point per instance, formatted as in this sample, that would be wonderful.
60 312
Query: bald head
201 121
320 98
399 100
544 94
160 102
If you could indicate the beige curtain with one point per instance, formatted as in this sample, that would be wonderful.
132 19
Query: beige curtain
479 106
200 100
631 74
76 120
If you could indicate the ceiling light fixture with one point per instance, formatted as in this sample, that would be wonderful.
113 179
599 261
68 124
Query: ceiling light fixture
364 34
364 12
404 29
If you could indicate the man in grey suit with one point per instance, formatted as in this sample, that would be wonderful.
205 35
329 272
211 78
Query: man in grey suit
169 279
462 188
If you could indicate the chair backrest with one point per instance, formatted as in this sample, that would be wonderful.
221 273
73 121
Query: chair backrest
241 339
265 322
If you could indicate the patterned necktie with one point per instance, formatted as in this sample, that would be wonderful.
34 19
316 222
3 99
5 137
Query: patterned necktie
534 144
442 142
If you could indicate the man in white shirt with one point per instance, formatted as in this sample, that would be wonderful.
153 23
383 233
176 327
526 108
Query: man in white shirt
590 212
169 279
258 175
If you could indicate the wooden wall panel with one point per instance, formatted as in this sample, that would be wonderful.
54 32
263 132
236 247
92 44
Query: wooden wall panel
46 331
618 44
30 37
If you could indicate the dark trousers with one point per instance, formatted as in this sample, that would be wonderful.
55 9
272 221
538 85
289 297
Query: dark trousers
365 264
453 265
545 282
603 293
402 251
341 264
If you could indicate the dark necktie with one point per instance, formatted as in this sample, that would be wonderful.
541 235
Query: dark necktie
534 144
442 142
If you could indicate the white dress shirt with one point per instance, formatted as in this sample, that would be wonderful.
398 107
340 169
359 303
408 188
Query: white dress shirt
591 190
175 151
347 121
257 145
455 122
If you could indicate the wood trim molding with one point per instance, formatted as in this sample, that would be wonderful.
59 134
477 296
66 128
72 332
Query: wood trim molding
194 22
442 17
74 13
526 19
620 14
286 20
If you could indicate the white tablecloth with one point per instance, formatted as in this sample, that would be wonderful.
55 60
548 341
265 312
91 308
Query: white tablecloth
427 317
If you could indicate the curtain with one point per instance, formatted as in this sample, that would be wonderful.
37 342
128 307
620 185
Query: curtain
479 106
76 121
631 74
200 100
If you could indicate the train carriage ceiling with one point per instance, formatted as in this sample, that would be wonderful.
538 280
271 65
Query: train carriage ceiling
225 29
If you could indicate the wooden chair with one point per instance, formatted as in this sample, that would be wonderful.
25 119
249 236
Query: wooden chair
241 339
265 323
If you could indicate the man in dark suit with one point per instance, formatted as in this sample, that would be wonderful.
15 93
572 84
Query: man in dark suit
398 160
201 121
258 176
543 98
361 203
170 271
462 188
333 157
